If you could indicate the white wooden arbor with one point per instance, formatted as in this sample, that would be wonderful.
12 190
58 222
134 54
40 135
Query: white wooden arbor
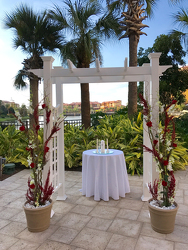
148 73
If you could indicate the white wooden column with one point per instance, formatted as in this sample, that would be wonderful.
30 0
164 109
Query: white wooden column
147 157
154 102
47 67
61 162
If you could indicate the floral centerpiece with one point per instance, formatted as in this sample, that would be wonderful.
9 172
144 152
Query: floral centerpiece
38 149
162 143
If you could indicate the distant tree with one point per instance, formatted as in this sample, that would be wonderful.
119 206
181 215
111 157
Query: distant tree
3 111
174 81
142 56
11 110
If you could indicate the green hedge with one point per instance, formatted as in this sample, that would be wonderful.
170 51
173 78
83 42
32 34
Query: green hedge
122 133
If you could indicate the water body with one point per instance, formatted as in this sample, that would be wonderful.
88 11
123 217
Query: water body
76 117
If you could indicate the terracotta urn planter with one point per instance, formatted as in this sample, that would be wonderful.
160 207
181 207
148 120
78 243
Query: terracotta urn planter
38 219
162 220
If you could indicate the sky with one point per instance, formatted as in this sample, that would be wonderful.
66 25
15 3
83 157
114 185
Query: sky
113 51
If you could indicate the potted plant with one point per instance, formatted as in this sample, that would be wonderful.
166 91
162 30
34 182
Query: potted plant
162 206
38 197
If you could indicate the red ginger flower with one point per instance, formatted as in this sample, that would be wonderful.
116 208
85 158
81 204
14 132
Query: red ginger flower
164 183
172 186
165 163
153 189
32 165
155 142
32 186
174 102
145 104
46 149
37 127
149 124
22 128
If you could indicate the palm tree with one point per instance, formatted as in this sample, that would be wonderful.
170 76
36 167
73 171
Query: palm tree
86 27
34 34
181 18
131 24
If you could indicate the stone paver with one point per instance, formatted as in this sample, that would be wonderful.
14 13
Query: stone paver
92 239
147 243
121 242
80 223
125 227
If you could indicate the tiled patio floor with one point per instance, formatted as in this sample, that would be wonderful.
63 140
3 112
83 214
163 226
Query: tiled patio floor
82 223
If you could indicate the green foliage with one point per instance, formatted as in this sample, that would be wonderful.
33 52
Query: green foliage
122 134
131 144
182 129
122 111
180 157
76 140
96 117
11 141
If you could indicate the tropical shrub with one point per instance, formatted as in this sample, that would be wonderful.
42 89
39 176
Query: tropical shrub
11 144
122 133
182 129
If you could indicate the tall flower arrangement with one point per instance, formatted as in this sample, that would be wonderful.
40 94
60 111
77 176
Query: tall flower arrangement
38 150
162 143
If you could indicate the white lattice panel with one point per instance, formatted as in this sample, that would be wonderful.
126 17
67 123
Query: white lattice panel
54 154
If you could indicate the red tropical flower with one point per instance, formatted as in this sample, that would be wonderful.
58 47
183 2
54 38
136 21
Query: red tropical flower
46 149
174 145
174 102
165 163
164 183
32 186
155 142
28 149
149 124
32 165
22 128
44 106
145 104
37 127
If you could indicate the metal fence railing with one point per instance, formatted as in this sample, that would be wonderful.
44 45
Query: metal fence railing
3 125
73 122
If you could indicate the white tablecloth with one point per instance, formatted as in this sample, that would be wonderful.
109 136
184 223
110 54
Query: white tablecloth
104 175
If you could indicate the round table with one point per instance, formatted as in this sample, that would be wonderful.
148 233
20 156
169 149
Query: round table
104 175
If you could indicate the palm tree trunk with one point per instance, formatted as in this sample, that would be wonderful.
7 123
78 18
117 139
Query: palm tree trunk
33 98
85 105
132 94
